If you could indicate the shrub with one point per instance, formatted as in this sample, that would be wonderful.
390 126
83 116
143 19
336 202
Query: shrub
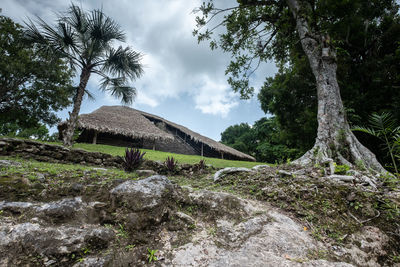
133 158
202 164
171 164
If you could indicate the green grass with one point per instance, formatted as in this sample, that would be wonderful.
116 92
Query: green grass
161 156
31 167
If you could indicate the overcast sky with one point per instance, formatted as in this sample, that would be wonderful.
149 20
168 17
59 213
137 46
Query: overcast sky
184 82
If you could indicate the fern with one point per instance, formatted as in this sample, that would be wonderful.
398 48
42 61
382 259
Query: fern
383 126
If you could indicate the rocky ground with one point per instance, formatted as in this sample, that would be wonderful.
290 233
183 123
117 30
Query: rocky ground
59 215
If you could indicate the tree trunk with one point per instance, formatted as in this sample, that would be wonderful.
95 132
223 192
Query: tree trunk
73 116
335 141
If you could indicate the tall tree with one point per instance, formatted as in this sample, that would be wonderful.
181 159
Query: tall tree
33 86
85 39
363 48
268 29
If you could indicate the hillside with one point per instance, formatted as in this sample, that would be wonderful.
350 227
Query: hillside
68 214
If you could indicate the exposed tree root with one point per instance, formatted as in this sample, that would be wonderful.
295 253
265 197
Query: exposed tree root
347 151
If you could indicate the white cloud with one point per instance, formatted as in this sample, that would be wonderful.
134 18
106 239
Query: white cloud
214 98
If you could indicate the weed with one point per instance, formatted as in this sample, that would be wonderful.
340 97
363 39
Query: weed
212 231
151 255
129 247
121 232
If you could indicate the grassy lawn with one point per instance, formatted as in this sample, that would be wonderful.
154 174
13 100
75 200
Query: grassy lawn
161 156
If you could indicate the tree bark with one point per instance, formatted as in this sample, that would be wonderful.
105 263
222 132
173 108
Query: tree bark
335 141
73 116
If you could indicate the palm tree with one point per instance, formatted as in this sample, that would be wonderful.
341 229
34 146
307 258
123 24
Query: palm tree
85 40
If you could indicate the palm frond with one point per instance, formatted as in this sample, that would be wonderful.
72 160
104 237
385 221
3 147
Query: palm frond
123 62
118 88
58 40
103 29
77 18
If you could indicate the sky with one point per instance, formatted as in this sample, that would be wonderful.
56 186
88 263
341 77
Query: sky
184 81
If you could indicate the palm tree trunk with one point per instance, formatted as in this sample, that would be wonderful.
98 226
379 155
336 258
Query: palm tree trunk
73 116
335 141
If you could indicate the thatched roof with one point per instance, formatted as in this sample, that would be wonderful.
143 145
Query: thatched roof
136 124
120 120
200 138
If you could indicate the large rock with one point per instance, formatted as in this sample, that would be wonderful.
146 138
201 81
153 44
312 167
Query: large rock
263 237
145 202
48 241
143 194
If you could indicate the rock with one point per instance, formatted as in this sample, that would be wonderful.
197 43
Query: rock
367 246
9 163
343 178
143 194
100 169
145 173
283 173
221 173
91 262
64 209
257 241
258 167
186 218
51 241
40 177
77 187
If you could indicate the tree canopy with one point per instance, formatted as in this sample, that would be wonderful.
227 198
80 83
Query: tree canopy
33 86
318 47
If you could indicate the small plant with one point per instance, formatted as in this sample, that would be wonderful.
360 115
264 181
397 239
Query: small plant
383 127
171 164
133 159
341 169
202 164
151 256
129 247
122 232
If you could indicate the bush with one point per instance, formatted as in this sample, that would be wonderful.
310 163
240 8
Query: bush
171 164
132 160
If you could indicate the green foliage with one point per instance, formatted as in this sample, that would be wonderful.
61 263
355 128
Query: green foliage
341 169
151 255
171 164
33 85
133 158
383 126
121 232
264 141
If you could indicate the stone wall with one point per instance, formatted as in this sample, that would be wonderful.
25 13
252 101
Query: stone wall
55 153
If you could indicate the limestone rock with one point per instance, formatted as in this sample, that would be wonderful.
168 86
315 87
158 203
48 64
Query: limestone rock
221 173
143 194
50 241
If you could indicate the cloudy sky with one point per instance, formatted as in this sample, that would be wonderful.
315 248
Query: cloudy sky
184 82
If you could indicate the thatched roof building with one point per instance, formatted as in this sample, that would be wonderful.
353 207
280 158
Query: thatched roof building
124 126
